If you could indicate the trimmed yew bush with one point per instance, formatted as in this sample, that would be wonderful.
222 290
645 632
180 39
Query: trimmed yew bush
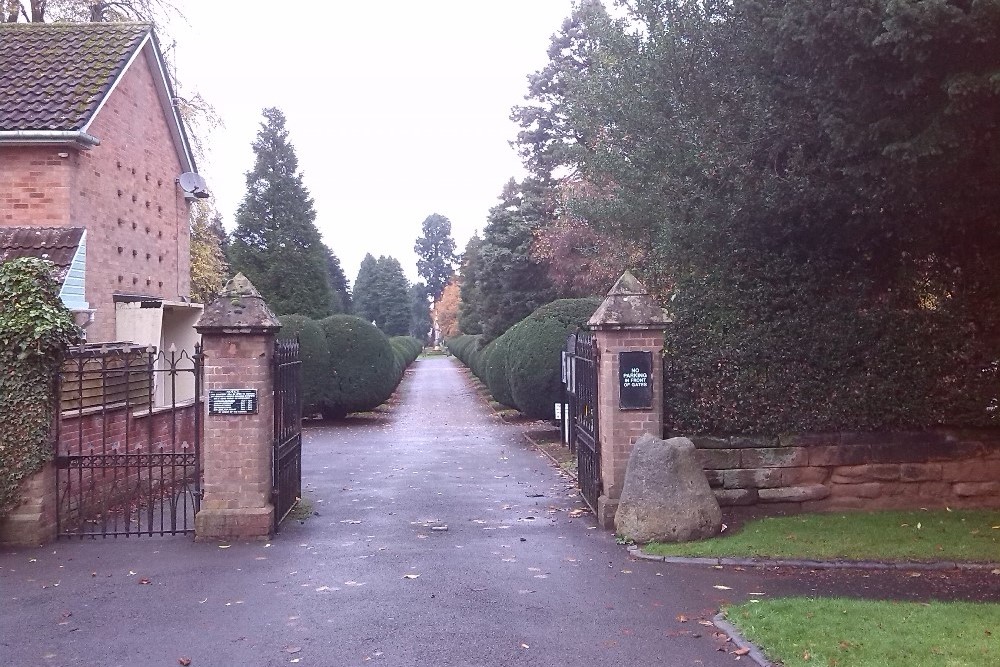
315 357
535 346
363 366
495 360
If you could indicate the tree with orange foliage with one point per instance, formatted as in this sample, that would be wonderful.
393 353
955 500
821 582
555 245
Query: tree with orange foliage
445 310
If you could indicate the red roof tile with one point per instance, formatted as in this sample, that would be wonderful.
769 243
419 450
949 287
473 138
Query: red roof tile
53 76
56 244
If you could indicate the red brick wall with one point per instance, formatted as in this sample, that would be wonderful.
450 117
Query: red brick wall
36 185
126 195
120 431
123 191
238 448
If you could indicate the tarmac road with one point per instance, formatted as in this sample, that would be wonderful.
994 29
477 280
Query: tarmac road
439 538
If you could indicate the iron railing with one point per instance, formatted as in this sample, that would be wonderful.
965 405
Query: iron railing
128 442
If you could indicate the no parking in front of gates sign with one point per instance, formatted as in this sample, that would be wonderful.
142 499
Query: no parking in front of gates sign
635 385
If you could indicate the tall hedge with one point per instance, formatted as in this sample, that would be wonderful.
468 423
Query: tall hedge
363 366
495 366
315 357
759 356
405 351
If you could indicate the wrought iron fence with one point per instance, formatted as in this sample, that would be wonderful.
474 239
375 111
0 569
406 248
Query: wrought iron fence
128 442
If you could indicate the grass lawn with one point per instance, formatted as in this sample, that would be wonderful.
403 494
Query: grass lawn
966 535
832 632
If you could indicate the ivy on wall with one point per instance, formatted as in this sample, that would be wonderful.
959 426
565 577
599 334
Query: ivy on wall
35 331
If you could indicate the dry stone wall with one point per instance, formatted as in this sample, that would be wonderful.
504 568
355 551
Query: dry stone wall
839 471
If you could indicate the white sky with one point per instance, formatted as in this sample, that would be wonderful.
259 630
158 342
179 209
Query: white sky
397 109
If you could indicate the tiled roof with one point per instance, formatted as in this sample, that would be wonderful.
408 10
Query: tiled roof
53 76
56 244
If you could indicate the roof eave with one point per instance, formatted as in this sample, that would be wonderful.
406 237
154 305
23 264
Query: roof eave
78 138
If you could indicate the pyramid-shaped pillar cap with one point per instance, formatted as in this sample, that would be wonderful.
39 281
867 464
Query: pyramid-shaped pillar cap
239 308
628 305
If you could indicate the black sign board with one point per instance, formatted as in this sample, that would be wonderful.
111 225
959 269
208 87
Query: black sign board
635 380
232 401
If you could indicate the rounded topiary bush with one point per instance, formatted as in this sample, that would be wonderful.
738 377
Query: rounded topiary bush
362 366
464 347
405 349
315 356
535 343
496 358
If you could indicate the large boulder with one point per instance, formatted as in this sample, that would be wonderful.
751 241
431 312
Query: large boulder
666 497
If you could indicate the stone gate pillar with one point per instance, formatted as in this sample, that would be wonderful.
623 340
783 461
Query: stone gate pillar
238 331
33 522
628 328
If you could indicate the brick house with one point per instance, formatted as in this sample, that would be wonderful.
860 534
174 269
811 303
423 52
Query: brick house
91 139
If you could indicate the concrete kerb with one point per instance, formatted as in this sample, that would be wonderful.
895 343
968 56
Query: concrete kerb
555 461
936 566
734 635
754 653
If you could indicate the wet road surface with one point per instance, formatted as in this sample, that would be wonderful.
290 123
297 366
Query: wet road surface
438 537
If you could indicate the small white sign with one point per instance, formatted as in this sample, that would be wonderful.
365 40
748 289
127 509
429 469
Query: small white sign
559 410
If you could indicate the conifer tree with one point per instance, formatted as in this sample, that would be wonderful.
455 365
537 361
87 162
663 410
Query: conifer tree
365 299
339 287
435 253
420 322
276 243
381 295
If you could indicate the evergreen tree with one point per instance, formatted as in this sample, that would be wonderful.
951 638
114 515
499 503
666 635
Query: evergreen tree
382 295
395 301
435 253
339 287
276 243
470 314
420 321
510 283
365 299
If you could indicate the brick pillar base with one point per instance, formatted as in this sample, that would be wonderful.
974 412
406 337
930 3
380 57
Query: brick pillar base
244 523
33 522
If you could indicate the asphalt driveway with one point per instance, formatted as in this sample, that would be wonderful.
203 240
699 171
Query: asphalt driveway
437 537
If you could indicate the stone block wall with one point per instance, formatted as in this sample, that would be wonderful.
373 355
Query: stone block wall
841 471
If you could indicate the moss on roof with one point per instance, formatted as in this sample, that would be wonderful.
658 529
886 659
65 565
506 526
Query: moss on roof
53 76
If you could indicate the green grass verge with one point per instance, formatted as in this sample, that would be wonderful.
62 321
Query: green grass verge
804 632
965 535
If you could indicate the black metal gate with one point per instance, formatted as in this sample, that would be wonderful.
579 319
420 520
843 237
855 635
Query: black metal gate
128 441
584 437
287 475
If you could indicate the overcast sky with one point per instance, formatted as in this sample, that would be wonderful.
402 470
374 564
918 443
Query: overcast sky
396 109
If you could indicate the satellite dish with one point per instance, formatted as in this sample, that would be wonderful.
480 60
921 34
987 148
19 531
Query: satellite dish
193 185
